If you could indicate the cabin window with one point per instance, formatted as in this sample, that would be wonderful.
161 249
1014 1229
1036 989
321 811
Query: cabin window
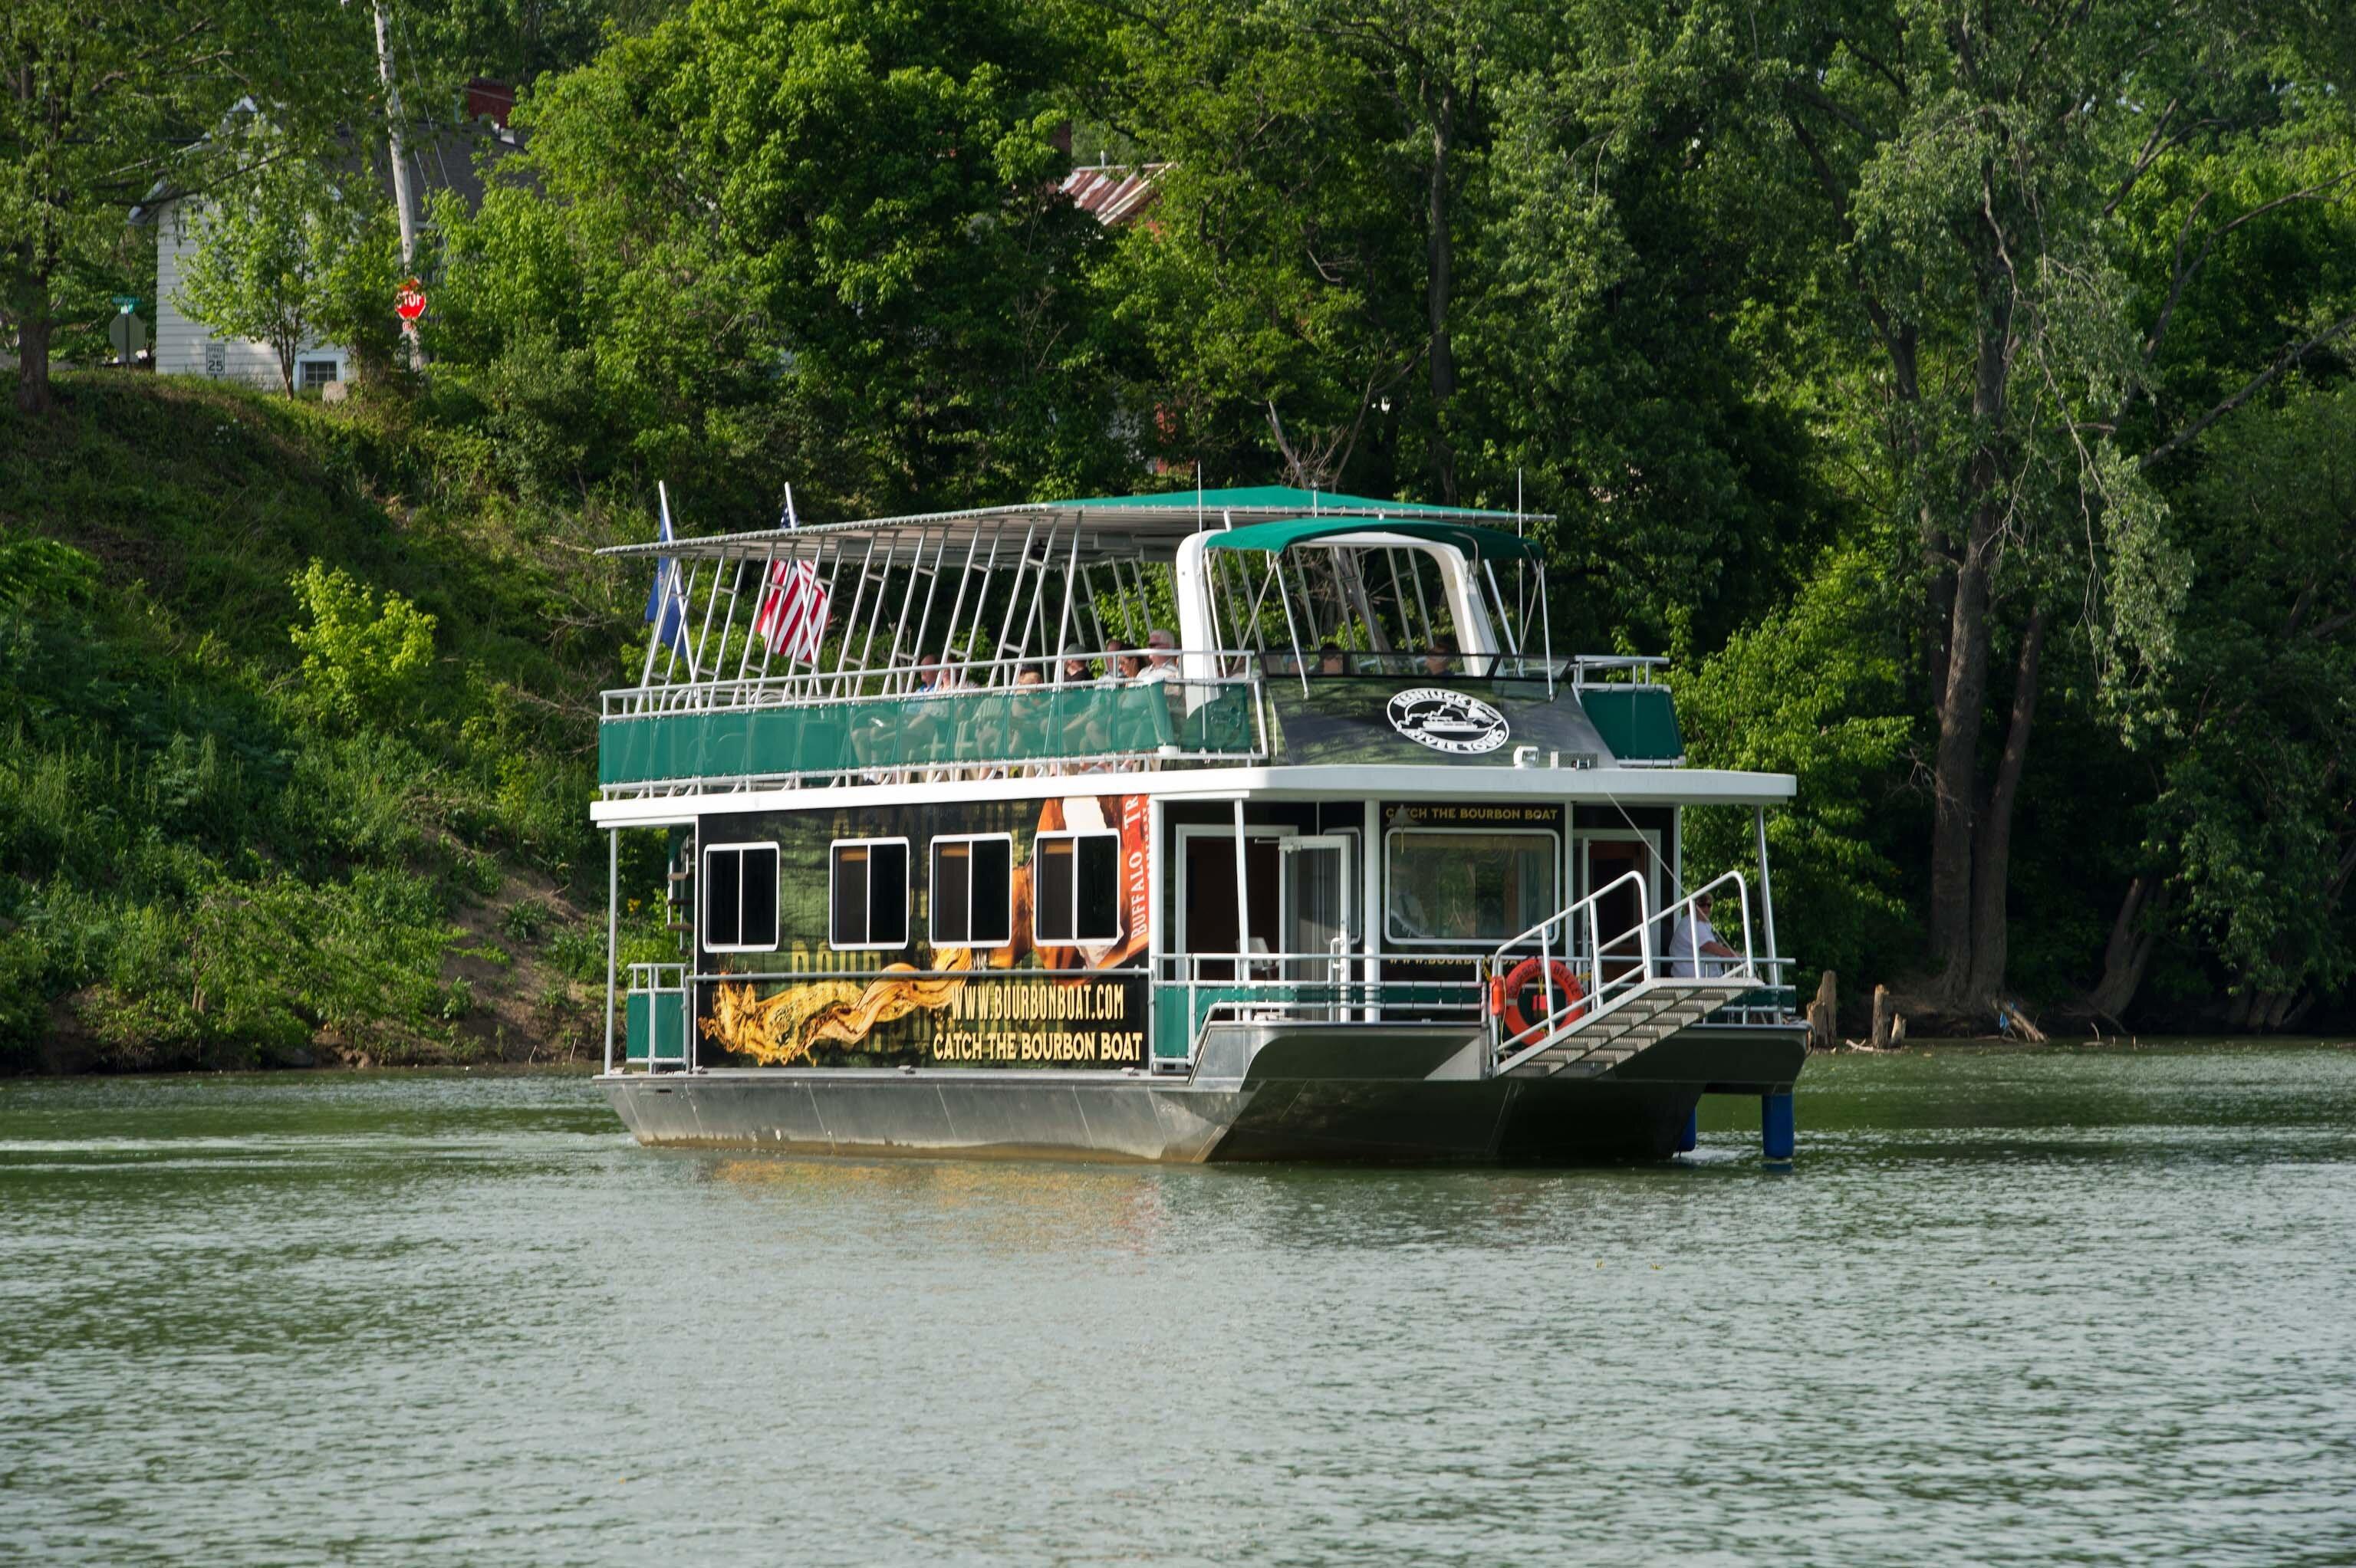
1075 891
973 891
740 898
869 896
1449 887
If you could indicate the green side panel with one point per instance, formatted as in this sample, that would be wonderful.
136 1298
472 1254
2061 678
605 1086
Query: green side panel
638 1011
1017 725
1638 722
655 1018
1172 1030
670 1028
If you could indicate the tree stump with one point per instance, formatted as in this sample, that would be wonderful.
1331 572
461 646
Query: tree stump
1883 1015
1824 1016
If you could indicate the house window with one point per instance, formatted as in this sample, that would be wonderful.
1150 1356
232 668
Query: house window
869 896
1075 891
973 891
740 898
310 375
1449 887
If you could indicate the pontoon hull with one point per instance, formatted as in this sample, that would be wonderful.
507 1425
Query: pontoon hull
1268 1114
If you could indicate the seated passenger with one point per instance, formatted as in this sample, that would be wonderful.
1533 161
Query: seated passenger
1441 657
1695 943
1076 669
1028 675
1162 647
1122 663
1330 661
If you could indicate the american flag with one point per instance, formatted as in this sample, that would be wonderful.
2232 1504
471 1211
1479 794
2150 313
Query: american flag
794 605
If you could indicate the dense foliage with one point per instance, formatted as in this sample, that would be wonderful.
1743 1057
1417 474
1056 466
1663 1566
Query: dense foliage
1960 391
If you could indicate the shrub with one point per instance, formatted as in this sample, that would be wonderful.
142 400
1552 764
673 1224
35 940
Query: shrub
362 657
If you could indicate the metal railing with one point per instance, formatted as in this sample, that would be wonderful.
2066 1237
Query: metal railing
648 980
951 678
1555 940
1313 987
1007 725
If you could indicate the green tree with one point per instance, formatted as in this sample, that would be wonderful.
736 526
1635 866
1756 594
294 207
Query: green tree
1970 163
288 256
864 263
102 106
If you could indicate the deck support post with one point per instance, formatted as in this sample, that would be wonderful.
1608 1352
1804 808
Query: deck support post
613 933
1766 892
1778 1133
1243 905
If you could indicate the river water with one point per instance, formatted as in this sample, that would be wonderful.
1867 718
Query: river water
2007 1306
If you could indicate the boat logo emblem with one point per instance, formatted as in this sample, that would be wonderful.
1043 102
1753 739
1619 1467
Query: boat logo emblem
1447 721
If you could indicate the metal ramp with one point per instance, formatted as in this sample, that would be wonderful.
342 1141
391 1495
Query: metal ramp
1618 995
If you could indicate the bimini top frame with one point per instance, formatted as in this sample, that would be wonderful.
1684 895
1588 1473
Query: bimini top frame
1102 529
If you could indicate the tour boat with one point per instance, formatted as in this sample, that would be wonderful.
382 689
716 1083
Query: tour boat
1255 824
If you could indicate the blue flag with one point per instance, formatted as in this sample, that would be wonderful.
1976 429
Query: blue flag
667 600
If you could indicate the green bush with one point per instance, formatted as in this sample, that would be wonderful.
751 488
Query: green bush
364 655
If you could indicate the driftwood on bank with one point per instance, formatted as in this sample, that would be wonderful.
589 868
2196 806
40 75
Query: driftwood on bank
1824 1015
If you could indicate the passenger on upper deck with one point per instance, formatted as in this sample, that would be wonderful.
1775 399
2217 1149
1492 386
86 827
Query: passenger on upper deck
1331 662
1076 669
1163 664
1028 675
1123 665
1441 657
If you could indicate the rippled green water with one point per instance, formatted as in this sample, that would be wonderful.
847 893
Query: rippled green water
2008 1307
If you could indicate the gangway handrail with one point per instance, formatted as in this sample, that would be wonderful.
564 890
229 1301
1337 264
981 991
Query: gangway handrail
1516 949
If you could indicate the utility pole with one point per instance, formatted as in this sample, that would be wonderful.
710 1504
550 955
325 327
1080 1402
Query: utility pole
400 161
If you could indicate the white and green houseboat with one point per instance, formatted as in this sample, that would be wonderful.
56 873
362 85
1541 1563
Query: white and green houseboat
1229 825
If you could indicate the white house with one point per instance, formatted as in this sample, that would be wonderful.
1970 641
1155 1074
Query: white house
441 157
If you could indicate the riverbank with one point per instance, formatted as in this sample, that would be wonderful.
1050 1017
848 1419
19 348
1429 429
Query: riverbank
301 723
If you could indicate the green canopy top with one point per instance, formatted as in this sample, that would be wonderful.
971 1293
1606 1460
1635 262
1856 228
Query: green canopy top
1102 527
1478 543
1263 500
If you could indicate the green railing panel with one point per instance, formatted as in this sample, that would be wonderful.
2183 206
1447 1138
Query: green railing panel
1019 724
1638 722
656 1019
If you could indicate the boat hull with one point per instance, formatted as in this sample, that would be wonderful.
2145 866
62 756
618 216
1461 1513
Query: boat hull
1288 1107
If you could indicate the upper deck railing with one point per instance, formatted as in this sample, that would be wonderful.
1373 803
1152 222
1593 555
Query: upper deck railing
972 719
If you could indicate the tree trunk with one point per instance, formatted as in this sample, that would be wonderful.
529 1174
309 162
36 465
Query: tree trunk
1438 263
1955 776
1884 1016
2128 952
33 326
1992 856
1963 698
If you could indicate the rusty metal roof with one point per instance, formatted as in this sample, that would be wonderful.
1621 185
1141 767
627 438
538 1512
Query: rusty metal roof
1116 194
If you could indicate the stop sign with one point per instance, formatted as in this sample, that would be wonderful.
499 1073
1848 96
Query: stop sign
409 300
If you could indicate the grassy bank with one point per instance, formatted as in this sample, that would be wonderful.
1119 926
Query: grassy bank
296 738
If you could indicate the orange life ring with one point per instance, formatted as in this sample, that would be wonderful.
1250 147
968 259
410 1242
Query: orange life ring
1505 998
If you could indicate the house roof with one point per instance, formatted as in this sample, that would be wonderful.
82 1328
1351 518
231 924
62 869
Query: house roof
1114 193
441 156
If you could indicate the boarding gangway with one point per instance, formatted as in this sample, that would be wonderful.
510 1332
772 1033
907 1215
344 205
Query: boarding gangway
1627 999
